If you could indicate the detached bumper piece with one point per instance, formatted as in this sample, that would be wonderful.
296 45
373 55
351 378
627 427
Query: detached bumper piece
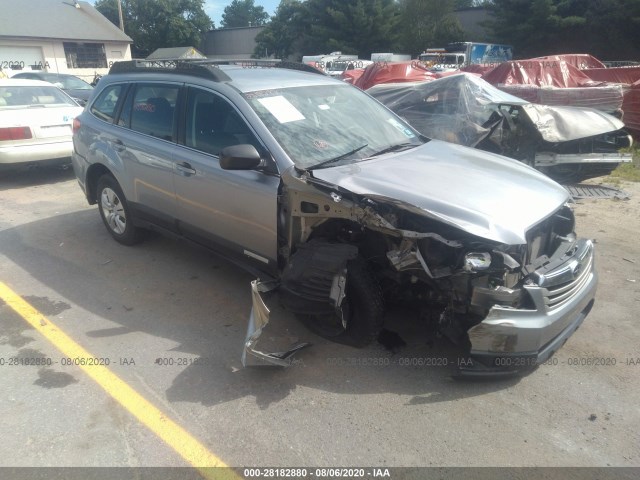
258 320
510 340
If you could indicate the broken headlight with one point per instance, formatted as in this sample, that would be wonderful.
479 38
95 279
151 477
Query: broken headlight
477 261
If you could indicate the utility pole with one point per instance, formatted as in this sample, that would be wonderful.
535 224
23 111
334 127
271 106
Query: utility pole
120 15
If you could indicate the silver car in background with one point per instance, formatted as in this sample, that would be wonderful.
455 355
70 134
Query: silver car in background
336 204
36 120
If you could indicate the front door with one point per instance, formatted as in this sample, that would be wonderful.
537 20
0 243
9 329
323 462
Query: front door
236 209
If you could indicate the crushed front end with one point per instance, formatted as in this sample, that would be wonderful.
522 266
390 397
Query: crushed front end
507 281
554 299
513 307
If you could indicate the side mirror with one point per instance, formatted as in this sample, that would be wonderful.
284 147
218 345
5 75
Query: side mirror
239 157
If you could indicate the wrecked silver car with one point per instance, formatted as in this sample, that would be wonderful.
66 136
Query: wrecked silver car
566 143
336 204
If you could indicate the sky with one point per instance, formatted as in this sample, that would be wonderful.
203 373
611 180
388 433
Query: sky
214 8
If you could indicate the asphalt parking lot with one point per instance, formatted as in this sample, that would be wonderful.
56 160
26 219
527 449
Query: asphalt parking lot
168 320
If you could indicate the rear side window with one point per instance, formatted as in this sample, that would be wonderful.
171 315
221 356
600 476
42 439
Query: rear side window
152 110
105 105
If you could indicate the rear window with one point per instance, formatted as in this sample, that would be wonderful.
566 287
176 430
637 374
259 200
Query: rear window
33 96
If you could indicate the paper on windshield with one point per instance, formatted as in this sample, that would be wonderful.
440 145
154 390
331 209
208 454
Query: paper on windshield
282 109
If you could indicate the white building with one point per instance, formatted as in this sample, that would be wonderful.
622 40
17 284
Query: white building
59 36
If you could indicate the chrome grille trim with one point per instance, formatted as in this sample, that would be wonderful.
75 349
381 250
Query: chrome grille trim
556 296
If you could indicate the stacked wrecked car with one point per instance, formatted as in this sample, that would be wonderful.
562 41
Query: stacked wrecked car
567 143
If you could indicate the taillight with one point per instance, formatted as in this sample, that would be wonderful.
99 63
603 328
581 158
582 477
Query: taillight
15 133
76 125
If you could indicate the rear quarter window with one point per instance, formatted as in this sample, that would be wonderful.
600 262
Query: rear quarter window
105 105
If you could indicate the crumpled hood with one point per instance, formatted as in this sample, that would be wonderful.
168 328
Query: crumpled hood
563 124
483 194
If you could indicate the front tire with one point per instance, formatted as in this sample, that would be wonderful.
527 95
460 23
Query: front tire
115 212
362 310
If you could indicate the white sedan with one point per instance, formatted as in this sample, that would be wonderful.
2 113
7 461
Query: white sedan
36 122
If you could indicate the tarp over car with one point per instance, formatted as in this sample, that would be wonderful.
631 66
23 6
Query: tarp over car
626 75
393 72
455 108
555 80
578 60
631 107
464 105
565 142
543 73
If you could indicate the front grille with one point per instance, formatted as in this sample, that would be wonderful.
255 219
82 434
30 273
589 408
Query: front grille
557 295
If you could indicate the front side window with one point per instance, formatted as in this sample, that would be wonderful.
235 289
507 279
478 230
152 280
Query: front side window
213 124
326 124
105 105
152 110
85 55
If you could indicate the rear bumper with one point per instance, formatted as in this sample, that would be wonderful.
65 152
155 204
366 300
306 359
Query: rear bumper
511 340
20 154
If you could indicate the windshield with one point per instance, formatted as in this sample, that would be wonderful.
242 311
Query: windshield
319 125
68 82
37 96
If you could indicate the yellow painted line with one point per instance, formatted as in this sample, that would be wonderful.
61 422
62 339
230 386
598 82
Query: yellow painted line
170 432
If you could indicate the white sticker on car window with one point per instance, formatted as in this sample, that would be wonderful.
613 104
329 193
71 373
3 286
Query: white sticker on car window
282 109
324 107
407 131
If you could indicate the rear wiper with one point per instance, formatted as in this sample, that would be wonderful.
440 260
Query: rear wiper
394 148
338 158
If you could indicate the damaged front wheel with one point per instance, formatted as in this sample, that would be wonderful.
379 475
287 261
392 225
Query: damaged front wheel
360 316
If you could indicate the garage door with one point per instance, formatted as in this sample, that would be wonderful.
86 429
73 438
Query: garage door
14 58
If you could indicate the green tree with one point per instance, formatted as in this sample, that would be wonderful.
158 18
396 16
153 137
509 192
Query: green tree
539 27
612 29
282 35
607 29
351 26
154 24
243 13
428 24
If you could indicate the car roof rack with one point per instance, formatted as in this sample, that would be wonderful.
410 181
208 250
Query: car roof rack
205 68
169 66
260 63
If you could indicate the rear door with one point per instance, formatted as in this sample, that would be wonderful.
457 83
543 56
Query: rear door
235 209
146 144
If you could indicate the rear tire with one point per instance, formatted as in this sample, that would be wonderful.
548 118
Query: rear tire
115 212
363 310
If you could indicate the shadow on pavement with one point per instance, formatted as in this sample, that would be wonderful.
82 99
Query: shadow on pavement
172 290
30 176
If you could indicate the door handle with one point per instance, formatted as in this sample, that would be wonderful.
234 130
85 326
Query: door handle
185 168
118 145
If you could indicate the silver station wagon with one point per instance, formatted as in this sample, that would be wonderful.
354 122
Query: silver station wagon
336 204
